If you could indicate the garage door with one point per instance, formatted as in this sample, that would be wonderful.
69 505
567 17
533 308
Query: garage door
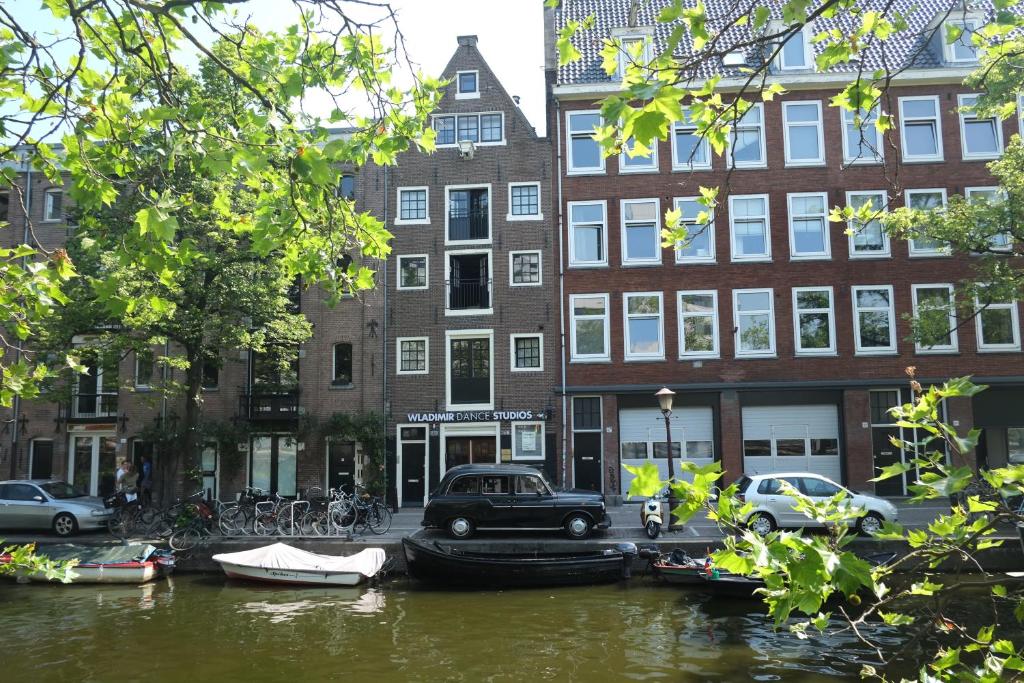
642 439
791 439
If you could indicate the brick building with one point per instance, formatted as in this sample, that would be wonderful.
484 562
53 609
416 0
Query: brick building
784 339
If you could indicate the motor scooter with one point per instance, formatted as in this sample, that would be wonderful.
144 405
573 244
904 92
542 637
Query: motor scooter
651 516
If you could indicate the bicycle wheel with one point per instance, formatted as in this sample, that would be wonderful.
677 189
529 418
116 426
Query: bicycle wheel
184 539
315 523
378 518
231 521
286 524
264 524
119 525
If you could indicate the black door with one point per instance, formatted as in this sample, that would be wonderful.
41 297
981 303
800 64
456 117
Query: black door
586 455
886 454
414 459
342 465
42 460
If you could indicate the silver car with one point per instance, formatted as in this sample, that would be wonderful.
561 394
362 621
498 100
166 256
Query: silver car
49 504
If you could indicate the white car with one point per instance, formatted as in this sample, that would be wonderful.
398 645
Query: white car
773 509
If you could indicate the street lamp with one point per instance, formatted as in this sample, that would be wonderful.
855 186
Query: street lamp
664 396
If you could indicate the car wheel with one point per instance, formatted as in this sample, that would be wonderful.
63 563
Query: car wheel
65 524
761 524
578 526
870 524
460 527
653 529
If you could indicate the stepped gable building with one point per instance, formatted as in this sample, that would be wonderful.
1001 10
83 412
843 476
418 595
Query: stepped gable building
784 339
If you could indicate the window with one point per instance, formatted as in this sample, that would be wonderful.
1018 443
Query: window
746 142
347 186
524 202
467 85
412 272
920 129
868 239
933 307
818 488
633 51
467 128
753 313
53 202
524 268
412 355
412 205
588 236
468 213
979 138
470 380
690 151
997 326
802 130
583 150
589 331
641 232
645 339
808 226
465 485
814 321
861 141
144 366
527 352
494 485
962 47
492 127
748 223
874 320
342 364
5 206
698 324
444 127
998 239
211 374
479 128
795 52
1015 444
925 200
639 162
528 444
468 283
699 246
586 414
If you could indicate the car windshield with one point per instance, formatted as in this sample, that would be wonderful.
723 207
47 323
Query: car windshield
61 490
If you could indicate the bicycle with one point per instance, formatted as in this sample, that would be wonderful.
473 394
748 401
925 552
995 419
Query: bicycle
370 512
193 530
236 519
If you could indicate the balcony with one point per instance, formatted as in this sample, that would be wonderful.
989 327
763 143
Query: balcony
95 406
468 294
468 224
262 405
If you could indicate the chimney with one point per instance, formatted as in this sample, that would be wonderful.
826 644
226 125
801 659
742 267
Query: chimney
467 41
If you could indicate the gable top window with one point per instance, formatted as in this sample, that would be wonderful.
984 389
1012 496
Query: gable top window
467 85
483 129
796 51
634 50
962 48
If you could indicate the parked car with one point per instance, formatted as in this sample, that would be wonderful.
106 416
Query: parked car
773 509
472 497
49 504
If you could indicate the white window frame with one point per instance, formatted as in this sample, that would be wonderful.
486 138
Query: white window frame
681 316
953 345
479 128
767 256
426 356
914 251
1014 320
398 274
48 216
540 268
449 337
770 351
886 251
709 230
626 260
808 64
512 350
575 356
846 120
964 117
826 237
649 163
922 158
948 53
573 261
448 278
831 311
515 443
684 127
624 58
490 212
818 127
571 168
469 94
539 216
890 310
763 163
144 386
1020 115
412 221
968 191
626 316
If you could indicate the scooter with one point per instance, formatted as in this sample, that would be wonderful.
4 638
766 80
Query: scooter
651 517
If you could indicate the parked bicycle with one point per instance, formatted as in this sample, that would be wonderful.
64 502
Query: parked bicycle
194 523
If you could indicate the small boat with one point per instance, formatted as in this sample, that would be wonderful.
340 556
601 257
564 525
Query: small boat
131 563
457 568
677 567
281 563
727 584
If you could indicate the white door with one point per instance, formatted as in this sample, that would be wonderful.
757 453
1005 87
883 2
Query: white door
210 463
92 463
800 438
642 439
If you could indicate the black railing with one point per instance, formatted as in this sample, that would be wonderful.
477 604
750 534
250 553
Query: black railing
466 294
472 224
85 406
261 404
471 390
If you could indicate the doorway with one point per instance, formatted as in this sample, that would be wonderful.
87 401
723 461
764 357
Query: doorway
272 465
210 464
41 459
586 460
92 463
341 465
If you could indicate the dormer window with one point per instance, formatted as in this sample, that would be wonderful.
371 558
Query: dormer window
631 54
962 48
795 53
467 85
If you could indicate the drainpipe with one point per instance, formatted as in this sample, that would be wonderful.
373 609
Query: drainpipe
561 291
16 408
384 354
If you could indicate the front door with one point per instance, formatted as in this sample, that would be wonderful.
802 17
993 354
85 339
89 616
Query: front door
209 467
272 465
885 453
586 456
414 460
341 464
42 459
92 465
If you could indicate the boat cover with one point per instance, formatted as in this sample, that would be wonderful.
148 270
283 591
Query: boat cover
96 554
282 556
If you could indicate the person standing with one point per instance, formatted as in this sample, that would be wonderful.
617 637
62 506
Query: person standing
129 482
146 481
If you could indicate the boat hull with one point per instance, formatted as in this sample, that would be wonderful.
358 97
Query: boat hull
684 576
134 573
131 564
291 576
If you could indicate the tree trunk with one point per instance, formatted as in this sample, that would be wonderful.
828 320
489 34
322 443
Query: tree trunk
184 450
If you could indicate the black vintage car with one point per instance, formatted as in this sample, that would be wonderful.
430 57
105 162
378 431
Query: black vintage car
472 497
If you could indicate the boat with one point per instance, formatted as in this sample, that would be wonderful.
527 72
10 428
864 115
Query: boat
454 567
132 563
677 567
281 563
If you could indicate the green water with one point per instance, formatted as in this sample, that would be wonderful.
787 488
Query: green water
200 628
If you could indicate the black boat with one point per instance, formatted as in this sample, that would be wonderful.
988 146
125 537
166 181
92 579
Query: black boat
727 584
453 567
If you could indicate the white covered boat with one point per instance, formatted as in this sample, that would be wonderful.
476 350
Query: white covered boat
131 563
281 563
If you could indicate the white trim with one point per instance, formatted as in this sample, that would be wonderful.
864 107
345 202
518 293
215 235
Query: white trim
765 353
626 316
426 268
818 127
1001 194
1020 115
541 439
490 212
448 278
484 429
794 255
890 310
539 216
867 123
451 335
602 262
623 241
625 59
651 165
767 256
936 119
997 127
730 161
512 350
953 345
479 128
511 268
135 376
683 127
469 94
398 199
598 430
886 251
708 229
399 441
571 169
780 61
1014 323
398 356
914 251
575 356
681 317
830 350
47 205
948 54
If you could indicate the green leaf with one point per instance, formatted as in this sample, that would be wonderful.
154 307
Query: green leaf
647 481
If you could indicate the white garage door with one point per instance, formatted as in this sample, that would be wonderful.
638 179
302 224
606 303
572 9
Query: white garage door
792 439
642 439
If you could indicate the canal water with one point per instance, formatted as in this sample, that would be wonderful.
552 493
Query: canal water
199 628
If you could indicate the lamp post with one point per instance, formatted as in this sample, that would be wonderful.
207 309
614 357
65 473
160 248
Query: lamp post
664 396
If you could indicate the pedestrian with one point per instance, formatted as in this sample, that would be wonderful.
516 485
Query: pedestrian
146 482
129 483
119 474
